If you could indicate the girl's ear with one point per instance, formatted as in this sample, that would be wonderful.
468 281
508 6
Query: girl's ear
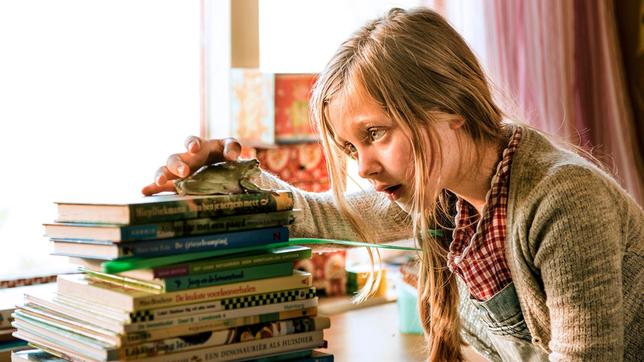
456 122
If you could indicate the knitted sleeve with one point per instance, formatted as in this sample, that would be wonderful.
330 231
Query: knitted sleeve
322 219
576 237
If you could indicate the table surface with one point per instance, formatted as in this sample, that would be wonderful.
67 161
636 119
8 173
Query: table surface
371 334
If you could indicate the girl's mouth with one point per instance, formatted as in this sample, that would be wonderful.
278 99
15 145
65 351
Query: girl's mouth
393 192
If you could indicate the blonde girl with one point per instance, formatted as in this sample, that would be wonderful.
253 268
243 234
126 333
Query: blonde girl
546 254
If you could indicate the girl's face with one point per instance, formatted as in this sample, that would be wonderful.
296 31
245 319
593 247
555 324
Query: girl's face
381 148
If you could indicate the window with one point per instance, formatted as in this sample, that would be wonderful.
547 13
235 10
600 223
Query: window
94 95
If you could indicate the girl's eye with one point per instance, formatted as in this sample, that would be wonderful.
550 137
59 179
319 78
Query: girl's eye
351 150
376 133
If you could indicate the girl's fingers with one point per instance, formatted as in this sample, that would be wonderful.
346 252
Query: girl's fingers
153 188
177 166
193 144
163 175
232 149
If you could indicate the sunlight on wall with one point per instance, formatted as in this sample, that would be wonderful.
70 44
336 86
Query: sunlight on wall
94 96
301 36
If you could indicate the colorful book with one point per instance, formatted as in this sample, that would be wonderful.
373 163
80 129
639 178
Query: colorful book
231 261
174 344
169 229
127 299
172 207
228 352
188 244
205 326
114 319
292 93
218 277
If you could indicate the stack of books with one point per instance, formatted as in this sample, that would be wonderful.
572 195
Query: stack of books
172 278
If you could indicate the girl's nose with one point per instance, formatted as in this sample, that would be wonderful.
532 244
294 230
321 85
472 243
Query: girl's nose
368 165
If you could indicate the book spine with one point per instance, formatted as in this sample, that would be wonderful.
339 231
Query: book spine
246 261
228 276
173 229
214 264
185 329
224 291
223 337
224 304
205 318
199 243
222 205
124 281
247 350
126 299
299 356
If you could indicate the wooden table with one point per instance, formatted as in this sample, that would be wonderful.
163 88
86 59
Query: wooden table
371 334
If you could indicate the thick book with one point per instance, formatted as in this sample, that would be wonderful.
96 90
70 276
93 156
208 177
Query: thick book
114 319
208 265
172 207
203 280
168 229
128 299
228 352
188 244
174 344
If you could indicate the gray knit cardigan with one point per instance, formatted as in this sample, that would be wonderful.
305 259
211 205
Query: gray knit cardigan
575 246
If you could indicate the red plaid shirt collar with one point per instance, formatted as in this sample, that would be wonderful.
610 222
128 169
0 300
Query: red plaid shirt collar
477 252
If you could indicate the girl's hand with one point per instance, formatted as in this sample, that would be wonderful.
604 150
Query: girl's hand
199 152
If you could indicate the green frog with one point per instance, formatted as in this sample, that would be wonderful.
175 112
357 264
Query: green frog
229 177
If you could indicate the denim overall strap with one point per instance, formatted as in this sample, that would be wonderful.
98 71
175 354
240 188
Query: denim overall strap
507 328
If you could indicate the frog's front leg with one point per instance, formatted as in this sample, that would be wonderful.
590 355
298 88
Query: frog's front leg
249 186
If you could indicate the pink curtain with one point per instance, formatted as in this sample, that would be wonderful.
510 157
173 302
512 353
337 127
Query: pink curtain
560 62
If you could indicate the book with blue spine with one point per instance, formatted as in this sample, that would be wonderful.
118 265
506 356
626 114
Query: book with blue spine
168 229
95 249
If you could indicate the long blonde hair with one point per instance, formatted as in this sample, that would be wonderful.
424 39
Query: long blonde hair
415 66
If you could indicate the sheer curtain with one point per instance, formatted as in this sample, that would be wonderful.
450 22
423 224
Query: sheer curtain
560 61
